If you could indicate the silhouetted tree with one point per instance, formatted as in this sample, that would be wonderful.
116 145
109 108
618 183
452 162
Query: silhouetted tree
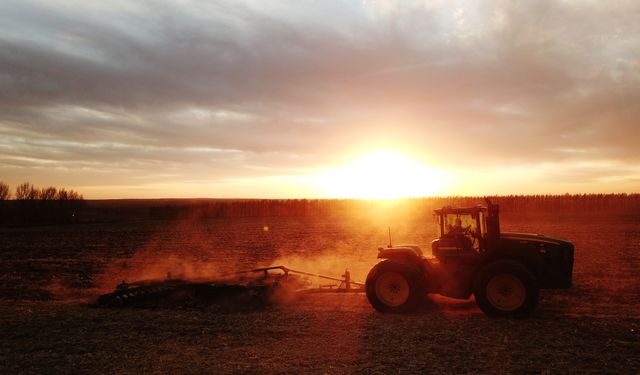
48 194
62 195
24 191
5 193
33 194
73 195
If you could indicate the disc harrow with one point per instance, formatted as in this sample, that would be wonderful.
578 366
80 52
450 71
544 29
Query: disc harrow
252 288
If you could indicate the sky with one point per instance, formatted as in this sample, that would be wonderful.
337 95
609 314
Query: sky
320 99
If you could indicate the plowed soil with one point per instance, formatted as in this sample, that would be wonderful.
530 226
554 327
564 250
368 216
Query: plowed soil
48 274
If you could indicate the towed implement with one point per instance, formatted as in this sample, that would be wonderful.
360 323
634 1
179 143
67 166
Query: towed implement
252 288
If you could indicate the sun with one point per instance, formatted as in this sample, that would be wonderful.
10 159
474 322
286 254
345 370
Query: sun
383 174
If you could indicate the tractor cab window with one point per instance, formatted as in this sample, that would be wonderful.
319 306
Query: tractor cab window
463 226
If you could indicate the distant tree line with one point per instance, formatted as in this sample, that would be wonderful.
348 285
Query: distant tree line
415 207
26 191
32 205
51 205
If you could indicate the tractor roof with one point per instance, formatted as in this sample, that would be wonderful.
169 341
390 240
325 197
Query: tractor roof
459 210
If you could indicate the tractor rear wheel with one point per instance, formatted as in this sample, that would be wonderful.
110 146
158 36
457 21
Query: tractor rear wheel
506 289
395 287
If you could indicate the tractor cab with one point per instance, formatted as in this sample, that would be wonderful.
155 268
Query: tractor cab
465 231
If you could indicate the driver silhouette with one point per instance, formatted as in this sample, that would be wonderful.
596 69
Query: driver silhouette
457 228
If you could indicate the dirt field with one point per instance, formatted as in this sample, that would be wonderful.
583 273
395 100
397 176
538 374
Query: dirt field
47 274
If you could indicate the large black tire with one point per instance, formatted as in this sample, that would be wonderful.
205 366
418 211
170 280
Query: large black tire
395 287
506 289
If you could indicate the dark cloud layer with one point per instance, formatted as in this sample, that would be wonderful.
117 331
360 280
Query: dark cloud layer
248 89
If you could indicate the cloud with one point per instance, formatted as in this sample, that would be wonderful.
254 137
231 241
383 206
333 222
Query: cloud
285 87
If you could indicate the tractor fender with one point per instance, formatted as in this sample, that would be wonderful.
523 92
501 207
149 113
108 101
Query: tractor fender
406 258
408 251
402 256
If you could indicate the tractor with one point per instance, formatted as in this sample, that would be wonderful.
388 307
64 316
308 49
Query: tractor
503 271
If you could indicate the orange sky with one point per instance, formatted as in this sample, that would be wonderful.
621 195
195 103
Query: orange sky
320 98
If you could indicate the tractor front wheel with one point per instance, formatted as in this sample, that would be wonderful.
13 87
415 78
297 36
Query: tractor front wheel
395 287
506 289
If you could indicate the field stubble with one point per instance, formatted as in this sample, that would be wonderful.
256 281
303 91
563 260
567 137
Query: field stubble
48 273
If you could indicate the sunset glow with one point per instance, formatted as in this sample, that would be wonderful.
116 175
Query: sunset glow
383 174
319 99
